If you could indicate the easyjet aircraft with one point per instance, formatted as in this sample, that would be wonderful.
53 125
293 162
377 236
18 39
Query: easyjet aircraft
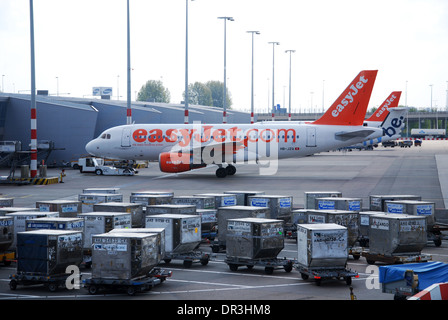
381 113
183 147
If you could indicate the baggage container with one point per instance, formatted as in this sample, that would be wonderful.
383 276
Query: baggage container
6 233
280 206
209 220
6 202
159 231
377 202
243 196
135 209
150 199
237 212
345 218
299 216
221 199
153 192
364 227
254 238
66 208
322 245
55 223
101 190
182 231
20 219
338 203
6 210
395 234
171 208
124 256
89 199
48 252
102 222
310 197
199 201
414 208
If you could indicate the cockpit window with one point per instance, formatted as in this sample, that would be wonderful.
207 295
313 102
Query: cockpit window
105 136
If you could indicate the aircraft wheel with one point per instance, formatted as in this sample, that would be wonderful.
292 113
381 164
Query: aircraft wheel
230 170
221 173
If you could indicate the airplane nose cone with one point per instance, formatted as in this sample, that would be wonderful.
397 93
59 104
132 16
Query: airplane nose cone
91 147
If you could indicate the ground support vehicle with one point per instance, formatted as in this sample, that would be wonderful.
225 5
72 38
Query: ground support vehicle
407 280
52 282
131 286
97 166
405 144
7 257
189 258
218 246
435 233
321 273
269 264
356 252
371 258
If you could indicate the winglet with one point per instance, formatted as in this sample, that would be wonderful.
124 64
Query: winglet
351 106
391 102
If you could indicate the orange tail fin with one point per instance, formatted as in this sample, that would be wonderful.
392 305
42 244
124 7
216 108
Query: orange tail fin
391 102
351 106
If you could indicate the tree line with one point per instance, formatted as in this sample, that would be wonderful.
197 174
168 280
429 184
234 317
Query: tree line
209 93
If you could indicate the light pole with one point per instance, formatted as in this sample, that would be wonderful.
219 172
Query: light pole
57 86
186 63
224 102
33 146
129 110
273 72
290 54
252 81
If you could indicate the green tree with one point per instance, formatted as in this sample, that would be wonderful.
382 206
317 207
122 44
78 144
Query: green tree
154 91
217 89
199 93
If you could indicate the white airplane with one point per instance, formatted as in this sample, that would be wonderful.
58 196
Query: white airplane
184 147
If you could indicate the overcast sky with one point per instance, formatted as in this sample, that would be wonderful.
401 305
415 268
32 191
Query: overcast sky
82 44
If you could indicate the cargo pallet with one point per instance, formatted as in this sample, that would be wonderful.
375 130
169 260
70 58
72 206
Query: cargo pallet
188 258
268 264
51 282
321 273
131 286
371 258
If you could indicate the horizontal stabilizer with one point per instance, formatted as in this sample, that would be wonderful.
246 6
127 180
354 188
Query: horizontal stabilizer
353 134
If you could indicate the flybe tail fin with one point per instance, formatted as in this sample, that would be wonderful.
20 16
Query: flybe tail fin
351 106
391 102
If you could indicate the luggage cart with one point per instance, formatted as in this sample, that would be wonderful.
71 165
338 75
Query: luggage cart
371 258
131 286
268 264
188 258
321 273
403 288
51 282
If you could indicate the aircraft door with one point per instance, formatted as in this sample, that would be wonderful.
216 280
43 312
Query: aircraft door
126 137
310 137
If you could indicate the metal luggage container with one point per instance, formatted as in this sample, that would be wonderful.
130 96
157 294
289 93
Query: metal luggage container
221 199
159 231
201 202
153 193
171 208
6 202
310 197
101 190
322 245
254 238
66 208
124 256
55 223
413 208
338 203
150 199
135 209
89 199
20 219
102 222
237 212
377 202
392 234
209 219
6 210
280 206
243 196
299 216
6 233
364 226
182 231
48 252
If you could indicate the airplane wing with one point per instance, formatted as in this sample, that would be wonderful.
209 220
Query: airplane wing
353 134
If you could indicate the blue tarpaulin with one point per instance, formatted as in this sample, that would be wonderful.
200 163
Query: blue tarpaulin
428 273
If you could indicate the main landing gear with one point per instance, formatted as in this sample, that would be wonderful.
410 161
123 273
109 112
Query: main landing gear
222 172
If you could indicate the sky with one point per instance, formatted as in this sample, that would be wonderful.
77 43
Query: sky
82 44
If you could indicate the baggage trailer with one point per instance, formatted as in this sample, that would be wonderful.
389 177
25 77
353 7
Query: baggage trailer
52 282
321 273
269 264
371 258
131 286
188 258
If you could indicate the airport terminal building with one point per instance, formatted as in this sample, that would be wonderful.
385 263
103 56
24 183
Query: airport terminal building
65 125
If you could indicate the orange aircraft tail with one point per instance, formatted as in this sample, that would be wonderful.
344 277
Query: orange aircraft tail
351 106
391 102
